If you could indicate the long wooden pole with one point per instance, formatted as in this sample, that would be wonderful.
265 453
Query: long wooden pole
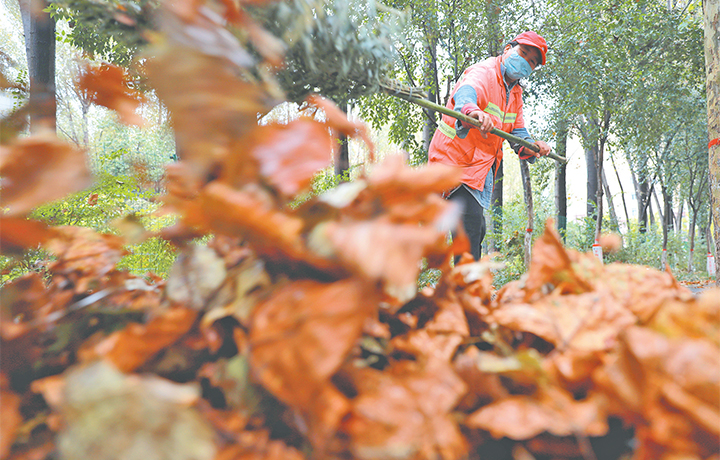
459 116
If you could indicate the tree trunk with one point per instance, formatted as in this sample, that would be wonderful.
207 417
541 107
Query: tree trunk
622 193
527 193
691 235
561 182
342 155
679 217
496 222
431 86
40 50
712 70
666 222
611 206
592 180
659 208
643 197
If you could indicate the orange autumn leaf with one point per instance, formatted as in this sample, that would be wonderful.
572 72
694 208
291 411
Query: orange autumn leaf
590 321
338 120
380 250
553 263
290 155
39 169
19 234
299 337
394 182
212 109
552 410
642 290
10 416
108 85
133 346
404 412
249 212
84 255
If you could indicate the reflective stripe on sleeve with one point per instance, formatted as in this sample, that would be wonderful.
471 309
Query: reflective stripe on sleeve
446 129
492 109
510 118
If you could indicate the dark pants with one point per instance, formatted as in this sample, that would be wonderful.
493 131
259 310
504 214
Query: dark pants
473 219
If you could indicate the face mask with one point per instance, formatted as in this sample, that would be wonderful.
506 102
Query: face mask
516 67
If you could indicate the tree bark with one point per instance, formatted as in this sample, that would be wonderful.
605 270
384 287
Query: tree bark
342 156
611 206
622 193
40 50
431 85
561 181
592 181
496 224
643 196
527 193
666 222
691 235
712 70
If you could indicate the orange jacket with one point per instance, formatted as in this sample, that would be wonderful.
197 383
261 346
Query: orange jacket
473 153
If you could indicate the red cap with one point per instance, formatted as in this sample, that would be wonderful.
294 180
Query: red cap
532 39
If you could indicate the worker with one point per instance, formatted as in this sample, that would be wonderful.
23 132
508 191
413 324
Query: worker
488 91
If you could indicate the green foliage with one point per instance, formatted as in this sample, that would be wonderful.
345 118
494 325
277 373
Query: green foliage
108 30
339 49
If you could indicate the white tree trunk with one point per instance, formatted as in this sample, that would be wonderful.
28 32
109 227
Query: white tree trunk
712 69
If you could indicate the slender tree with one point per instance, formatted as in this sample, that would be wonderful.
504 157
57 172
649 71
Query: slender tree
39 29
712 69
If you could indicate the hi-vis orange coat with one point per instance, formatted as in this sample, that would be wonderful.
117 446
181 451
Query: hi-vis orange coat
475 154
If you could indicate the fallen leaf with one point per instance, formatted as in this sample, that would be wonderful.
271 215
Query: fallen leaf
553 263
405 412
195 276
299 337
551 410
590 321
39 169
290 155
131 347
111 416
11 419
108 85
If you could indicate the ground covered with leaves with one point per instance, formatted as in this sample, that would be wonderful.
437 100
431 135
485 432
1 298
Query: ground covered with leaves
298 331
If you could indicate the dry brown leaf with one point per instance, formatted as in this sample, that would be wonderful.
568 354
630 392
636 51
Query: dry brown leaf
39 169
195 276
10 416
641 289
697 318
107 85
131 347
427 345
299 337
553 263
483 387
290 155
589 321
83 255
551 410
212 109
395 183
338 120
19 234
250 212
379 249
403 412
109 416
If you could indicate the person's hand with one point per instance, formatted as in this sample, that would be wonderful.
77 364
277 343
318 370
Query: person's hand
486 121
544 149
